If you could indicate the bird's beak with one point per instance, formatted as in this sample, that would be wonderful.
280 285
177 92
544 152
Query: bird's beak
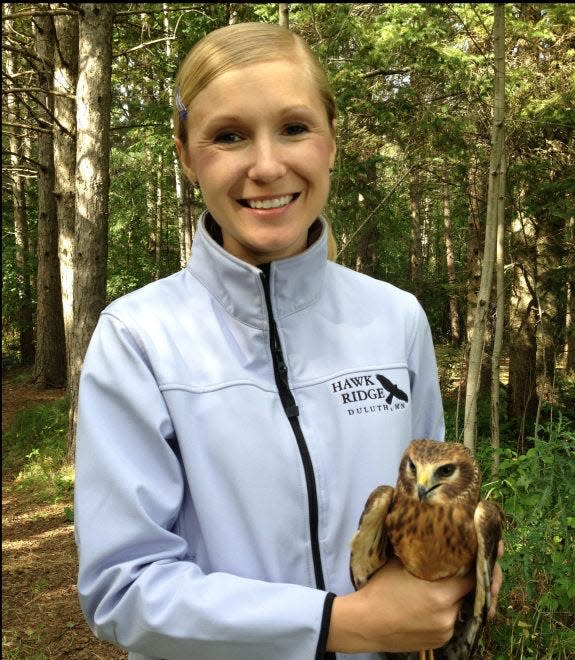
423 482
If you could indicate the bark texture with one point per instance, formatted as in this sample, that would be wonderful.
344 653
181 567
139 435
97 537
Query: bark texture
50 358
93 98
495 167
65 81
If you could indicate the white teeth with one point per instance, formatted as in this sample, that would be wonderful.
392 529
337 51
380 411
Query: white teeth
270 203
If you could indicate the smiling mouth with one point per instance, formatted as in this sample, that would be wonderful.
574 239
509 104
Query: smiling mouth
270 203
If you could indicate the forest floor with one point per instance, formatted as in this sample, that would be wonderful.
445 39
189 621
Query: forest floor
41 617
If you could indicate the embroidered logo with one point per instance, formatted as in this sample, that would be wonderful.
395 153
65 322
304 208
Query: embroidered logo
392 389
373 393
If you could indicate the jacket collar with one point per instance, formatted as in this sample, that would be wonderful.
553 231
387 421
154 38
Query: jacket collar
295 283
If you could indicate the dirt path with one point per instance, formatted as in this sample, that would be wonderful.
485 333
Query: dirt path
40 612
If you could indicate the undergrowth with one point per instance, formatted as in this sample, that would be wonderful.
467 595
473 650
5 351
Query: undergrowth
34 450
537 491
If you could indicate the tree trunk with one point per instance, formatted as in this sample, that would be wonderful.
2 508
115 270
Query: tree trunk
521 390
497 154
26 312
231 14
499 321
550 298
185 227
151 213
474 242
570 316
184 210
65 81
416 251
366 251
159 218
283 8
367 256
50 358
450 260
17 149
92 184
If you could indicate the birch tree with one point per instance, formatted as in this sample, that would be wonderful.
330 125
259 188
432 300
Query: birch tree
474 240
450 260
495 170
499 320
185 226
416 249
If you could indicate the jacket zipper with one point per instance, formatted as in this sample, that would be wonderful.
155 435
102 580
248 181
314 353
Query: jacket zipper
292 412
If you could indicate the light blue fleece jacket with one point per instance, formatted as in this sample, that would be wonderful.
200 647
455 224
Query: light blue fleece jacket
213 516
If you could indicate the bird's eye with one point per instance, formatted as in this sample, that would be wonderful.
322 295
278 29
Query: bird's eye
411 466
445 470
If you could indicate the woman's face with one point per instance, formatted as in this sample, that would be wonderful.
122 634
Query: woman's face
261 147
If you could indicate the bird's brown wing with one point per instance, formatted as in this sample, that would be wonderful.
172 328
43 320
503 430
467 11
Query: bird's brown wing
488 520
370 543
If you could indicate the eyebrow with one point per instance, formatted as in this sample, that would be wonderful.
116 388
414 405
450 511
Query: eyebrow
233 118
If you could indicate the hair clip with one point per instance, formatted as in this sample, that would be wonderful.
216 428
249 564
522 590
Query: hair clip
180 106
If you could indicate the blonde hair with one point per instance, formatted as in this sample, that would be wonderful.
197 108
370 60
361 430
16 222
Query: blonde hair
239 45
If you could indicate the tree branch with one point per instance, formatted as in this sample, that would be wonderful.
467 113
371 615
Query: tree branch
147 43
384 72
28 127
29 90
31 14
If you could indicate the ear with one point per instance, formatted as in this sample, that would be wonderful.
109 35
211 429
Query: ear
334 147
185 160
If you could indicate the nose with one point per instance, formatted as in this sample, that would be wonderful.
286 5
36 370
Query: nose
267 162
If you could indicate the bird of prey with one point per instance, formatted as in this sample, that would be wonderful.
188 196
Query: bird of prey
436 524
392 388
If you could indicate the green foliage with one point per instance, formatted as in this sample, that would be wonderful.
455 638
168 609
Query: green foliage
413 85
35 449
10 284
537 491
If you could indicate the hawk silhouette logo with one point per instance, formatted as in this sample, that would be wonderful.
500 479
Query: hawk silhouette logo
392 388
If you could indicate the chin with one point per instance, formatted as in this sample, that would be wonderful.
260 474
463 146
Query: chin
274 245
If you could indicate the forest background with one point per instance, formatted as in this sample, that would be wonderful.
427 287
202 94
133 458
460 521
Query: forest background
95 205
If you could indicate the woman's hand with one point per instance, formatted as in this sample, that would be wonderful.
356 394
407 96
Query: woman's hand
396 611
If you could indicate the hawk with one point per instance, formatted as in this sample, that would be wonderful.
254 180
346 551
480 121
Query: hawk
435 522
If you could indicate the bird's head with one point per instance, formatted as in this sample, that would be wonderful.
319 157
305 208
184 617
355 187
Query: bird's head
438 472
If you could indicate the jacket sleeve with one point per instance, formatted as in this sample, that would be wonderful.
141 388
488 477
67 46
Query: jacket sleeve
426 403
138 585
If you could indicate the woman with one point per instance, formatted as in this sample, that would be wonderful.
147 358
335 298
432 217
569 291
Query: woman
231 422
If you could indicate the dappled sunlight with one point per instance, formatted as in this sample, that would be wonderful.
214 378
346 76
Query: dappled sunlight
35 541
